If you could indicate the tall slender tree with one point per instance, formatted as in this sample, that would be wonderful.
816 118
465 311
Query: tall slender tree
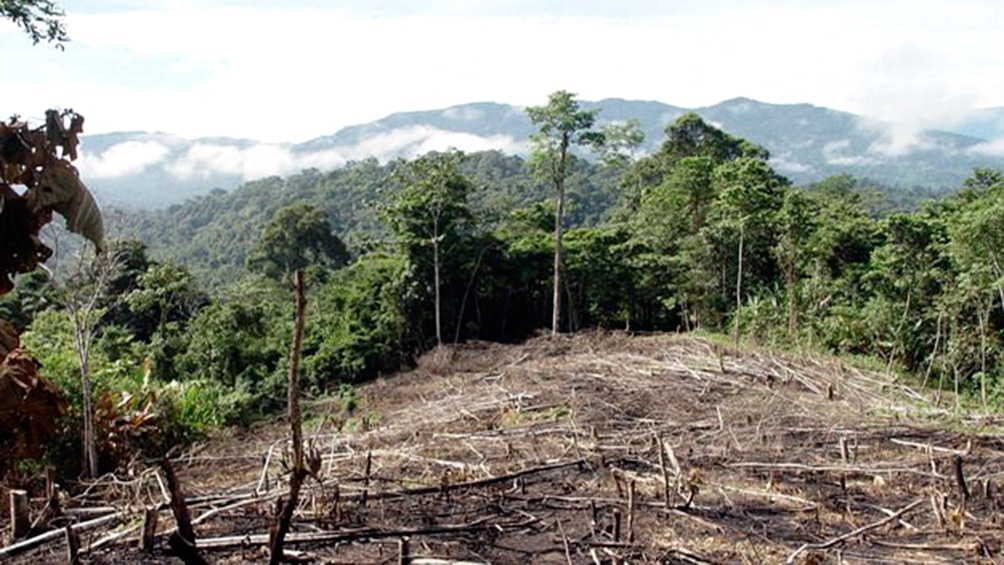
429 210
562 125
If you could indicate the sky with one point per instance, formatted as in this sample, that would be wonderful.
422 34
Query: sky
292 71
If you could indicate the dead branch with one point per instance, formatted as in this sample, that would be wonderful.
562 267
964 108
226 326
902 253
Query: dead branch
182 542
856 532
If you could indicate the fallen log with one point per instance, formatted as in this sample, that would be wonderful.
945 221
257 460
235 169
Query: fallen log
351 535
24 545
455 486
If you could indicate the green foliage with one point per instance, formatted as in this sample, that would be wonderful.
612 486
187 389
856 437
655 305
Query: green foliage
600 285
432 203
429 214
213 235
297 237
165 413
39 19
32 295
359 327
620 142
691 136
562 124
239 342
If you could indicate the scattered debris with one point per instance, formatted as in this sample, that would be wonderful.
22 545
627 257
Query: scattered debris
598 448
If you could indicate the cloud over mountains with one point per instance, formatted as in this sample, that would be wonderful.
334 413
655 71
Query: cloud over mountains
142 169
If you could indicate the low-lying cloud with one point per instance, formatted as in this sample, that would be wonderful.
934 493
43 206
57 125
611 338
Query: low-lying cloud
204 160
840 153
992 148
128 158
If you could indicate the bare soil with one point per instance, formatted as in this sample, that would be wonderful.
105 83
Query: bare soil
597 448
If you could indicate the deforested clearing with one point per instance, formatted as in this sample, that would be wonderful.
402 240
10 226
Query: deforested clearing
597 448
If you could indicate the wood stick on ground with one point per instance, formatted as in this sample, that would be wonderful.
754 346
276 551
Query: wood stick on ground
178 506
366 479
630 511
403 551
353 535
666 490
469 484
856 532
29 543
263 479
112 538
564 540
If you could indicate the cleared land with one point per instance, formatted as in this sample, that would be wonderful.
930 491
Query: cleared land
598 448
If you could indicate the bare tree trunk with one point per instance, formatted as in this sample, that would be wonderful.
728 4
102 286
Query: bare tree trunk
467 292
739 286
559 214
82 304
83 343
299 472
792 280
435 268
984 318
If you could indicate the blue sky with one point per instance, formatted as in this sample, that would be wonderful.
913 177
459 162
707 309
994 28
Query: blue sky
291 71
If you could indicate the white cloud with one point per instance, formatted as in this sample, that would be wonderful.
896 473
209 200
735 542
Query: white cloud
992 148
288 72
463 114
895 139
417 140
838 153
792 167
127 158
204 160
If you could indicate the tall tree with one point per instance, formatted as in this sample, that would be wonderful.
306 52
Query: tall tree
563 124
429 210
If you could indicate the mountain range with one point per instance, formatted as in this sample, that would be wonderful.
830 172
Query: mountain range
807 143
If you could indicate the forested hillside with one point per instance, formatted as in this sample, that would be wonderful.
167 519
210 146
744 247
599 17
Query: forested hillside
212 235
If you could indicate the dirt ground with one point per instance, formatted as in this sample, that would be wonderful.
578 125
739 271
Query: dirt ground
598 448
